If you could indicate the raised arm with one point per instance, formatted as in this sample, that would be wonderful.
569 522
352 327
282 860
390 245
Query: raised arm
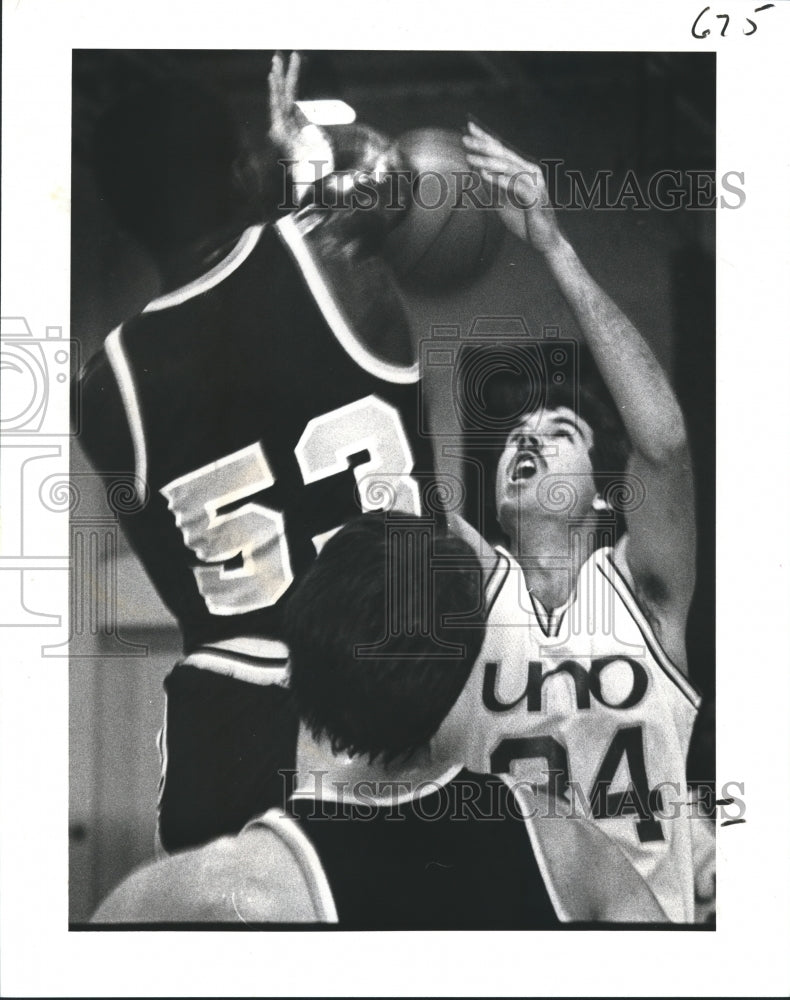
659 549
305 145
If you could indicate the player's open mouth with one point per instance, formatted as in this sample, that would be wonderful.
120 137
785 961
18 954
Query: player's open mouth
525 467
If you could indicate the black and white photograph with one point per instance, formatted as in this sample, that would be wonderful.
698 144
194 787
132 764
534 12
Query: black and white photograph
361 302
377 507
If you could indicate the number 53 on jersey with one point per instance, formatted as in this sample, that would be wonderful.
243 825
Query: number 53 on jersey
257 533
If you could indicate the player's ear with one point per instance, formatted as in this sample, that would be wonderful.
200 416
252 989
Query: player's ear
600 504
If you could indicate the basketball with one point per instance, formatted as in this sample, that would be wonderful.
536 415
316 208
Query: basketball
445 240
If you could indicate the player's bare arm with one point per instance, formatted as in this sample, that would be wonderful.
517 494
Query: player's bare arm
659 549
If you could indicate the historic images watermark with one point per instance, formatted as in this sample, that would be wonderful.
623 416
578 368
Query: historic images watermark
567 189
40 412
515 798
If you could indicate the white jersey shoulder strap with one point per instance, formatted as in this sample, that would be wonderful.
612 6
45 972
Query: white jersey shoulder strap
497 577
127 387
118 357
222 270
291 835
334 314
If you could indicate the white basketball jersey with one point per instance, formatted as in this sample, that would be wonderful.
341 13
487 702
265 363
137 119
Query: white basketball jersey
585 701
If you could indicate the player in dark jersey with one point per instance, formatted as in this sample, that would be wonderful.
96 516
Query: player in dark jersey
257 413
384 828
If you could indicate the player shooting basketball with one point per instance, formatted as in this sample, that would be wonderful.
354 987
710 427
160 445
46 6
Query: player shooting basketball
657 554
594 685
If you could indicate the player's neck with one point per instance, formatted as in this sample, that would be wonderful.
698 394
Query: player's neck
338 777
551 552
189 263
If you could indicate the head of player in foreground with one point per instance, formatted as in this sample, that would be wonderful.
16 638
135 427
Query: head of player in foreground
383 632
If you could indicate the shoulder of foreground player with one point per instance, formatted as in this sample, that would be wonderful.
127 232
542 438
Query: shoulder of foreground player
249 878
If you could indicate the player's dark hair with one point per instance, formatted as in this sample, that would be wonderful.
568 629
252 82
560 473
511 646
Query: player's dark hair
589 399
510 395
170 160
377 660
594 404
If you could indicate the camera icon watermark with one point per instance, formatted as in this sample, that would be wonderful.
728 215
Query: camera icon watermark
499 373
38 375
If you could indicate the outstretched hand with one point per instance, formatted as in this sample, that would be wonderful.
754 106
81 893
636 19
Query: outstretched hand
520 186
283 84
306 145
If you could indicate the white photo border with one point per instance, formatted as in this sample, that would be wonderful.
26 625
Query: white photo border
744 955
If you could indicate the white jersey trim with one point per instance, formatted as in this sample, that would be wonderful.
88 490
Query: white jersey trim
271 668
498 578
305 855
549 621
537 848
253 645
334 316
119 362
607 568
228 264
161 746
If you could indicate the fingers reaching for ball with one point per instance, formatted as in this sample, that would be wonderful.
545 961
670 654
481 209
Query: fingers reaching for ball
500 162
283 85
305 145
480 142
524 200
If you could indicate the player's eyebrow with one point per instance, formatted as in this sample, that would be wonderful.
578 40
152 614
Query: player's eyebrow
566 422
545 426
575 424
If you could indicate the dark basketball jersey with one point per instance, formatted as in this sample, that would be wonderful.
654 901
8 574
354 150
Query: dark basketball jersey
457 857
256 422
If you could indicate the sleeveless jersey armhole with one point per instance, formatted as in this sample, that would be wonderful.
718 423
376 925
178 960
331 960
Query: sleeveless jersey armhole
223 269
497 578
334 315
294 839
124 377
617 580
